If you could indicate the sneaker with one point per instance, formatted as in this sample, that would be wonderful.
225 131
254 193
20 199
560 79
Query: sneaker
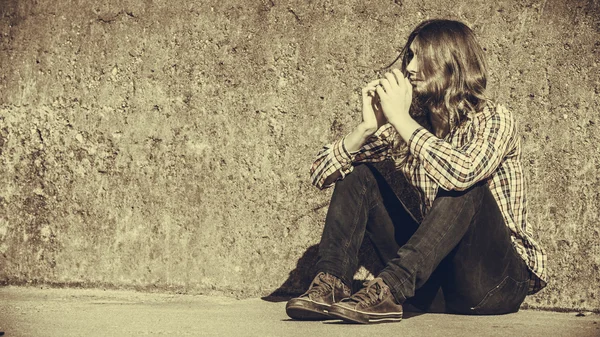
324 290
372 304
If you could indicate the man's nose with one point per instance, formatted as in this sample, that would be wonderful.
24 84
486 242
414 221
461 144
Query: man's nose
411 67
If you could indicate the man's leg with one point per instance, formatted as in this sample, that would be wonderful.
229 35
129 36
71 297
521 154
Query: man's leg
463 236
480 272
362 202
485 274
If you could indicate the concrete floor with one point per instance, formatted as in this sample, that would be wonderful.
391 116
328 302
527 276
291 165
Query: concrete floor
75 312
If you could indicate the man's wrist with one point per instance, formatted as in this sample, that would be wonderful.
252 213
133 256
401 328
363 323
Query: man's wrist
365 131
355 139
400 119
405 127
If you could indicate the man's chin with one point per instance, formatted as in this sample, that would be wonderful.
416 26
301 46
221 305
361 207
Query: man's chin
419 95
418 90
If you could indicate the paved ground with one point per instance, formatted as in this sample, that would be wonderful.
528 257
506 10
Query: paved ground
74 312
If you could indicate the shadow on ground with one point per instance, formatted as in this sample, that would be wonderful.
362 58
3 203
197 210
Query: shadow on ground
300 278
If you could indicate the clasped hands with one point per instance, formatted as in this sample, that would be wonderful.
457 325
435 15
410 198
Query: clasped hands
386 100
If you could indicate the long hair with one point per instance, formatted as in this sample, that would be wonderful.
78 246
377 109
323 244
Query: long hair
452 66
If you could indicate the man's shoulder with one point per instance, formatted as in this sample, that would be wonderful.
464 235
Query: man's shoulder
497 111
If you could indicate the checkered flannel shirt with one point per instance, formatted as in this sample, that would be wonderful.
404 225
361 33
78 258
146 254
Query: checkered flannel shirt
485 147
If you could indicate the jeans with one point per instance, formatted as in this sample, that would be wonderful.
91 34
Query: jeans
458 259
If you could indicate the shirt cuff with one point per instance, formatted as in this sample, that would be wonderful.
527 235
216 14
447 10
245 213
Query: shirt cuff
350 153
341 154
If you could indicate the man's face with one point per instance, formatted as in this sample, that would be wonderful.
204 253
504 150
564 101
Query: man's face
415 77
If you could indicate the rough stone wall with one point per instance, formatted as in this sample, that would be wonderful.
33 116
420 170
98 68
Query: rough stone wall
166 144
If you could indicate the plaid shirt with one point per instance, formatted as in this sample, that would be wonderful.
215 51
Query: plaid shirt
484 147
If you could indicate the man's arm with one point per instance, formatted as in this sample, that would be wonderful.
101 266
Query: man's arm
352 142
460 168
364 143
452 168
335 160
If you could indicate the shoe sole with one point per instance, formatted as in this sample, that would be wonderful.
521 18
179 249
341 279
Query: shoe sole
361 317
306 310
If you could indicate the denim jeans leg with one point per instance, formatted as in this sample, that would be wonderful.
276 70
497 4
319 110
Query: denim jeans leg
362 203
459 259
464 239
440 231
486 274
345 226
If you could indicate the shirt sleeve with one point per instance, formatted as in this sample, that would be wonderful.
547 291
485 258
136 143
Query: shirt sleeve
458 168
335 157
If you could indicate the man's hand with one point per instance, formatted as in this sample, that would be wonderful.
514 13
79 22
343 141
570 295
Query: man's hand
373 118
372 113
395 93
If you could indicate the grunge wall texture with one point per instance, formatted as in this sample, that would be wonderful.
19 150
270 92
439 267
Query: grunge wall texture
166 144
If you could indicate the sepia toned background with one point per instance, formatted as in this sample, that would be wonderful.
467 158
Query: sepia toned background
165 145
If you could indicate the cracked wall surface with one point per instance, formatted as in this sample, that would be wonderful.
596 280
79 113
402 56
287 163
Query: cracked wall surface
165 145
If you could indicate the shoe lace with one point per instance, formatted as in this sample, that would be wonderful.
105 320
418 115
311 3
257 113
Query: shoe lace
371 292
319 285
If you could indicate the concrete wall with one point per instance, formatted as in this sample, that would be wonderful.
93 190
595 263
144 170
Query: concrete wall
166 144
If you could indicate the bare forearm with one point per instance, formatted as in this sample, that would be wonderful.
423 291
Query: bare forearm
405 127
357 138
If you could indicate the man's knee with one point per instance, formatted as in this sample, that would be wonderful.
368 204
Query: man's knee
477 190
361 174
475 195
